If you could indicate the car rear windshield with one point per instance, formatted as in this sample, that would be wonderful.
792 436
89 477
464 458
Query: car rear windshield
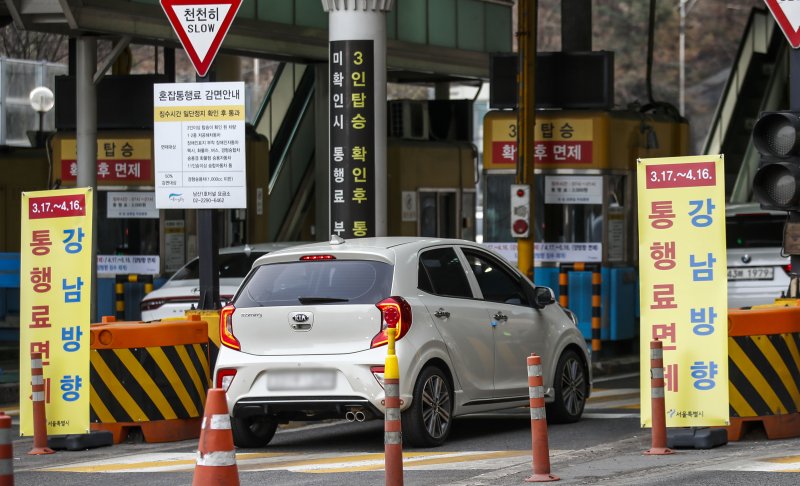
231 265
316 283
757 230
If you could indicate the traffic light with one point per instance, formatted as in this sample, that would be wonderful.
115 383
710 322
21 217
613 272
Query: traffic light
520 210
776 136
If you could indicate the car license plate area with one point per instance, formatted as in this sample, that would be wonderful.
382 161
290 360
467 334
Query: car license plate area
301 380
751 273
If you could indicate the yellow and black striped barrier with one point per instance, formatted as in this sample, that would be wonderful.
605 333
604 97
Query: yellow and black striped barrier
211 318
597 303
152 376
764 370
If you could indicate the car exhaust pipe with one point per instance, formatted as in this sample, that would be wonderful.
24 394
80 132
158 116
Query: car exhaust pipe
360 416
350 416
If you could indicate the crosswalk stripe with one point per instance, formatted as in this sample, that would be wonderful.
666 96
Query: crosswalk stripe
780 464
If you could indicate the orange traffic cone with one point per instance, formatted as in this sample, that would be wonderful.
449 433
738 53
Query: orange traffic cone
216 458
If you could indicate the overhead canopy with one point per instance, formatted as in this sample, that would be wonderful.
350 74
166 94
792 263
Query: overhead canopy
427 41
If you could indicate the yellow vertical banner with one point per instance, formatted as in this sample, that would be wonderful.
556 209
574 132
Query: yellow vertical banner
55 305
683 286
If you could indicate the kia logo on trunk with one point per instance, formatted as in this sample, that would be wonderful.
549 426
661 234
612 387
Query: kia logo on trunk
300 318
301 321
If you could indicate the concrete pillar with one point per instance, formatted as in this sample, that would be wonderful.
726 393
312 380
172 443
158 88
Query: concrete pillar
86 133
357 116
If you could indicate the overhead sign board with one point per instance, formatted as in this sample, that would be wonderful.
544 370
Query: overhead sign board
787 15
199 145
201 26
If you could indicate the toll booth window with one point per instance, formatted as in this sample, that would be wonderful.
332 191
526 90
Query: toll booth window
438 215
125 236
566 223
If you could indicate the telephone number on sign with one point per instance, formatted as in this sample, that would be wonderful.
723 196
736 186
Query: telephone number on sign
203 200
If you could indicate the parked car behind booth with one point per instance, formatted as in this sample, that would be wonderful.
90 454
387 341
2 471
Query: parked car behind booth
758 271
182 291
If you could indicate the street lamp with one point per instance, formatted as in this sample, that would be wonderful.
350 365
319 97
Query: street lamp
42 101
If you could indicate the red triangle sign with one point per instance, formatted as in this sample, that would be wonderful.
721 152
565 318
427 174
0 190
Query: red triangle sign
787 14
201 26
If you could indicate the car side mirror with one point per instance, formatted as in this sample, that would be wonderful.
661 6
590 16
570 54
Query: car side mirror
543 296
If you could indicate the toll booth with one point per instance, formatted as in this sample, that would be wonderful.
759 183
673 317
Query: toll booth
584 202
431 188
133 236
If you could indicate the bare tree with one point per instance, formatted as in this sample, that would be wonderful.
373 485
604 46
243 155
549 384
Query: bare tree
36 46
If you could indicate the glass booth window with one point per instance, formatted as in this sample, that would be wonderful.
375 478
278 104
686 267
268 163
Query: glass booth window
124 236
566 223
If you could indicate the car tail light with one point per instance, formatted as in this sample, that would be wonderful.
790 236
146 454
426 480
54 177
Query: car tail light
225 378
787 269
148 305
377 372
226 328
317 257
395 311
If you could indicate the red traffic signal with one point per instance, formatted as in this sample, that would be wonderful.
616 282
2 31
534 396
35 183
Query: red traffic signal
776 137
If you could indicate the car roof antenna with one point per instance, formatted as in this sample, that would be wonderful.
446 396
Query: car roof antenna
336 240
247 249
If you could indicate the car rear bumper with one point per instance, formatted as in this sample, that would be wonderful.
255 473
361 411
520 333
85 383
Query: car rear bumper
354 385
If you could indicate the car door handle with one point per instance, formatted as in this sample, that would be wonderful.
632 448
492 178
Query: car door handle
499 316
442 314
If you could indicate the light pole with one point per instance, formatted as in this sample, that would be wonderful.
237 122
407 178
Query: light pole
683 9
42 101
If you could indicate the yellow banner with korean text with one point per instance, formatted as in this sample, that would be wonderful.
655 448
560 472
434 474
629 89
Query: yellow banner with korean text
55 306
683 286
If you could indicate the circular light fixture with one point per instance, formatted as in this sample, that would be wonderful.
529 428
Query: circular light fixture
42 99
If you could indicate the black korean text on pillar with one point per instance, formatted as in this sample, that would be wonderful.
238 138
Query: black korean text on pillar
352 140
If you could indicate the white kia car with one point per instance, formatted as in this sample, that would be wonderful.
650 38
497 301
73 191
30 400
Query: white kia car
758 271
182 291
304 338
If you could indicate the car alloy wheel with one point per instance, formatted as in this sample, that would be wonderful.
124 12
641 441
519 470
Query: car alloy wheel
570 389
427 422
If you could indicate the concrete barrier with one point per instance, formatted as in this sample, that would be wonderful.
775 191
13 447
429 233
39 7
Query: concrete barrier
764 370
149 375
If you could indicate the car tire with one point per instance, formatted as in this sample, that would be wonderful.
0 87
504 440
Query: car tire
570 384
427 422
253 431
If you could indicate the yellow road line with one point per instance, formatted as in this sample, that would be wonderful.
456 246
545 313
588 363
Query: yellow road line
138 466
445 459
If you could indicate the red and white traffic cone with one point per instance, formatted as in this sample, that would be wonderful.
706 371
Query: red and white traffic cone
6 452
392 427
216 456
39 414
658 444
540 448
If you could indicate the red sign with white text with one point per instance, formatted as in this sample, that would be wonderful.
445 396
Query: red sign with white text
201 26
